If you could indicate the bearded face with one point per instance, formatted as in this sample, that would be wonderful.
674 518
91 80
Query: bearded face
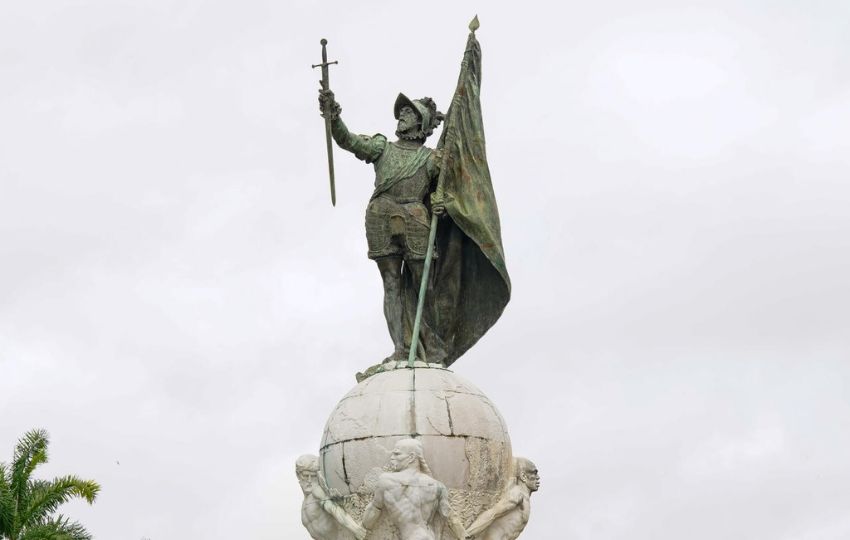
307 479
399 459
408 122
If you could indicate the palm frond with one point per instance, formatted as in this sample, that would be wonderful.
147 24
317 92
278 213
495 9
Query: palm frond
57 528
27 505
46 497
30 452
7 502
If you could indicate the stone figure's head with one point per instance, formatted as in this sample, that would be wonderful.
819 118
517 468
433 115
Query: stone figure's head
526 472
417 118
307 471
407 453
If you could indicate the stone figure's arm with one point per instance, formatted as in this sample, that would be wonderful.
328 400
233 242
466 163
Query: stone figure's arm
373 510
506 504
339 514
451 518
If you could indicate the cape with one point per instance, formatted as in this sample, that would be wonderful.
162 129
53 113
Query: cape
470 286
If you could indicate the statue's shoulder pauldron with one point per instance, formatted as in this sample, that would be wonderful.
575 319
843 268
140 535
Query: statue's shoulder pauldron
369 149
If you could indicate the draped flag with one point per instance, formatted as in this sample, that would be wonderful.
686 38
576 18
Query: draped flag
471 285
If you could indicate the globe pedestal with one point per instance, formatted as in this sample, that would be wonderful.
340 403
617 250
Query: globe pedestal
465 440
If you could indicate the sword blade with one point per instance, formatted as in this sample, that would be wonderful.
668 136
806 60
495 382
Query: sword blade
329 141
326 84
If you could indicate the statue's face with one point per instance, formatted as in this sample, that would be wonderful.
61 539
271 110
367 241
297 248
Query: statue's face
407 120
531 478
400 459
307 479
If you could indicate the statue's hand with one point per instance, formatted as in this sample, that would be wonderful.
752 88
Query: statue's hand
438 205
328 105
360 533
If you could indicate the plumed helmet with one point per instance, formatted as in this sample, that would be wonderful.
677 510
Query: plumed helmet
425 109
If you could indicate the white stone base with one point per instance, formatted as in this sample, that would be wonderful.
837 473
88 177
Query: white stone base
465 439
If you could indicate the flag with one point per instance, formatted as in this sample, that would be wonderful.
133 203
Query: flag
471 285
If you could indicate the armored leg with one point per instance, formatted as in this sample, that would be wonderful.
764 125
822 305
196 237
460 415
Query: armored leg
390 268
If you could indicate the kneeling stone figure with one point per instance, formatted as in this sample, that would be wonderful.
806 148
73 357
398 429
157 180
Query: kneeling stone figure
509 516
323 518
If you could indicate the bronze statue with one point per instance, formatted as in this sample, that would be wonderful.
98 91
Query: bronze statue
434 311
397 218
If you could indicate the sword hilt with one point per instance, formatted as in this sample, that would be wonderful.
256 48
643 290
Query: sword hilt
326 83
325 62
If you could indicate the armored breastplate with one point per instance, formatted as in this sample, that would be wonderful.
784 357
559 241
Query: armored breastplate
401 175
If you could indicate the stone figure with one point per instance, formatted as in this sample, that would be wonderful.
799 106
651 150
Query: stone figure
470 285
508 517
411 498
323 518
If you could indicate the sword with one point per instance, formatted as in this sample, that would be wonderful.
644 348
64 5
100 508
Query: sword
326 85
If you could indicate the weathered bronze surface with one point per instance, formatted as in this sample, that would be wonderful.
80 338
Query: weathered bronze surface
446 285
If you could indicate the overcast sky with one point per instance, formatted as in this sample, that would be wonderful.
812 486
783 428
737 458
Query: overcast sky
178 295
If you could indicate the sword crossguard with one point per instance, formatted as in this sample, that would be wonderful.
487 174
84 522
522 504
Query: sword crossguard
324 64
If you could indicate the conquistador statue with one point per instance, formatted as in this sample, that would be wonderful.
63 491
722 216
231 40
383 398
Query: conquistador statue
399 212
468 285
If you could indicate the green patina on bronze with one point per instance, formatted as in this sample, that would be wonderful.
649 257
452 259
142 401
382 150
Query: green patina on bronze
468 287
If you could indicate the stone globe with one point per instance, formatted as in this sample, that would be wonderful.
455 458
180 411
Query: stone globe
465 439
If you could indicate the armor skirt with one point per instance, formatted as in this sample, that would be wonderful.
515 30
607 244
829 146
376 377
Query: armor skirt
397 229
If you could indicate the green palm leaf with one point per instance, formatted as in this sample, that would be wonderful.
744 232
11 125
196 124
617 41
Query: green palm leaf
7 501
58 528
27 505
30 452
46 497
